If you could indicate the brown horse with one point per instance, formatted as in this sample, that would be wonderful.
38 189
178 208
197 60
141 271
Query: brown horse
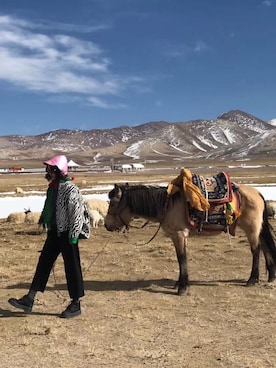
153 203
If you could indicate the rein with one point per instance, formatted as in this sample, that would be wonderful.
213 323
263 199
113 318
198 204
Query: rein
151 239
159 227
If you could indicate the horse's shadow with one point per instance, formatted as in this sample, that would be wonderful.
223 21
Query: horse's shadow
114 285
219 281
173 288
132 285
156 286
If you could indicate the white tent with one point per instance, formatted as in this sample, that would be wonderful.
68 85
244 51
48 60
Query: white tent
72 164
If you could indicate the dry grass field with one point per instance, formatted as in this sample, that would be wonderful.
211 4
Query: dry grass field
131 315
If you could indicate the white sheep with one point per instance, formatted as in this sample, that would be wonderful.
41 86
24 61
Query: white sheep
19 190
16 217
27 216
32 217
96 218
97 204
271 208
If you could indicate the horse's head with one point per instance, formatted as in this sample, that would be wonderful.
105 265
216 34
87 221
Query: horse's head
118 216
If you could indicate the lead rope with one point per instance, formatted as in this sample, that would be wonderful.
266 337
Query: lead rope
154 235
160 223
57 292
95 258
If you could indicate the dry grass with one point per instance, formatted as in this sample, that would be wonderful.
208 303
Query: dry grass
131 316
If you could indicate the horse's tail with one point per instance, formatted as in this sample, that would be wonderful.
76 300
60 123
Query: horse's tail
266 235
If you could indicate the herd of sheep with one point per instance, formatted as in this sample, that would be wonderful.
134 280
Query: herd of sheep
97 209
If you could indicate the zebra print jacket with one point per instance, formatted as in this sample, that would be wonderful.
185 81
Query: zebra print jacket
71 211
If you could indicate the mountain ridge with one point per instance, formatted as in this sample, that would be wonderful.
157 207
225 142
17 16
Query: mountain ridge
233 135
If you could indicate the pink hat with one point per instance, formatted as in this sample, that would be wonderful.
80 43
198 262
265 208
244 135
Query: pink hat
60 162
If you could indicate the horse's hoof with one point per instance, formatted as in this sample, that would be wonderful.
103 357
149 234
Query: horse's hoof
271 278
251 282
181 291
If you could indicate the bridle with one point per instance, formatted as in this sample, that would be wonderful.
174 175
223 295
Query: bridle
117 215
127 226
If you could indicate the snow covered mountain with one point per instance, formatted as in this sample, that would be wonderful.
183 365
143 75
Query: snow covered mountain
235 135
272 122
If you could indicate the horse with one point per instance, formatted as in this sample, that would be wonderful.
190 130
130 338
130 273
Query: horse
153 204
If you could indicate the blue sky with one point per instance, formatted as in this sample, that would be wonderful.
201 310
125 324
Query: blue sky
93 64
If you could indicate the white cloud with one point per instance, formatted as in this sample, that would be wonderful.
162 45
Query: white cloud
268 2
98 102
57 63
200 47
183 50
158 103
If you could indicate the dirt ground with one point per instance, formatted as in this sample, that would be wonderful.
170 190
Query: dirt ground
131 315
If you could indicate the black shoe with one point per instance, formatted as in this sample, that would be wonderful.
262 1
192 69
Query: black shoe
24 303
73 310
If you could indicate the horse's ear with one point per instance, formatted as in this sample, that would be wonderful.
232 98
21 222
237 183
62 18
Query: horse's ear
118 190
116 187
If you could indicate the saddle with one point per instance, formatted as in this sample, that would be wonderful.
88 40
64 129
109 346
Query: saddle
216 189
213 203
224 202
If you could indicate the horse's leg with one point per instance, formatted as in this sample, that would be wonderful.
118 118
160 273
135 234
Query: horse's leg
255 246
254 222
270 266
264 242
180 243
268 247
254 276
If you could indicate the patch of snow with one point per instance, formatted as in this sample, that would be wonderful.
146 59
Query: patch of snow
272 122
125 138
97 156
51 136
177 148
229 136
35 203
219 136
207 142
198 146
134 150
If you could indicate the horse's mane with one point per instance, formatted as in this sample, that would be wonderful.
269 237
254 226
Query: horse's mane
147 200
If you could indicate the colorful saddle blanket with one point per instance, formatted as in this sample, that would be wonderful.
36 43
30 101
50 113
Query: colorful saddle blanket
216 189
224 204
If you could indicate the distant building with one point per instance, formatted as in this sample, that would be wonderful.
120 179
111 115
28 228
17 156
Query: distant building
129 167
138 167
126 168
16 169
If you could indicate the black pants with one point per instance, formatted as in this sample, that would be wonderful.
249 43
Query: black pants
53 246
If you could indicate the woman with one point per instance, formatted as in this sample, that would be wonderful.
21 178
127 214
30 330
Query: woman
66 218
